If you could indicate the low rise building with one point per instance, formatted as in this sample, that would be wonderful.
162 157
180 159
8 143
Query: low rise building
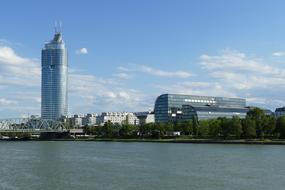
118 118
280 112
76 121
145 117
89 119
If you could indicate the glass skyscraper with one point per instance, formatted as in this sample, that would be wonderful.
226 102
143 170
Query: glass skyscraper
54 79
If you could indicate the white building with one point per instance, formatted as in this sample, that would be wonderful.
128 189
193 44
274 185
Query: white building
118 118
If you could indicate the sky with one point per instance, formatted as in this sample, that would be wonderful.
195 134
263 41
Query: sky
125 53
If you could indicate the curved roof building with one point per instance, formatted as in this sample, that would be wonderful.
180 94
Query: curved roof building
177 107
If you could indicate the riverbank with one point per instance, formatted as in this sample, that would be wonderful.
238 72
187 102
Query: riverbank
193 141
190 141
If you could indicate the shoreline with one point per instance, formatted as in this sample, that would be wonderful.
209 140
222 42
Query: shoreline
185 141
195 141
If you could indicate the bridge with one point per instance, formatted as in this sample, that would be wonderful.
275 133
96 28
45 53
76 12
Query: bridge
32 125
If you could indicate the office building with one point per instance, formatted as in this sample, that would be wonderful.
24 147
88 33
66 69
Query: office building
54 79
177 107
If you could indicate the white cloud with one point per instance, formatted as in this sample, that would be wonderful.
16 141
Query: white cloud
17 70
123 69
19 82
162 73
234 60
106 95
6 102
237 70
123 75
257 100
124 95
4 42
197 88
279 54
81 51
261 83
154 72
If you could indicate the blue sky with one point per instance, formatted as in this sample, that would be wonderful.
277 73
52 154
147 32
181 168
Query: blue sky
123 54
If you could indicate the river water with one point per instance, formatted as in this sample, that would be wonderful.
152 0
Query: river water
140 166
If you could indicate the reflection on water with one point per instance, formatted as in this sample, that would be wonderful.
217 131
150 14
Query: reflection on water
140 166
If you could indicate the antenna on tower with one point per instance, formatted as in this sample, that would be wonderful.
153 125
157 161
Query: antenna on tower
60 27
57 27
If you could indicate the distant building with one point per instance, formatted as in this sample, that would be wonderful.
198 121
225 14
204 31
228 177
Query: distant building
145 117
118 118
177 107
76 121
54 79
280 112
77 132
173 133
89 119
266 111
35 117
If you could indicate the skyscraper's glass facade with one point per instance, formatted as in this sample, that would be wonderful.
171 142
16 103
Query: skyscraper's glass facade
177 107
54 79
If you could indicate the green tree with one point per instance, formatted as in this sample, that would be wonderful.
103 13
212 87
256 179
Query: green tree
158 130
236 127
162 128
195 125
98 130
203 128
146 129
269 124
187 127
127 130
280 126
116 129
169 127
178 126
259 117
107 129
214 127
90 130
225 127
249 127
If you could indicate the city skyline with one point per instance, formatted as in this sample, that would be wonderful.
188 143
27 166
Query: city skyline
124 54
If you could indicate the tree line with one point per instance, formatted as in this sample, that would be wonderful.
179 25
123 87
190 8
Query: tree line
256 124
